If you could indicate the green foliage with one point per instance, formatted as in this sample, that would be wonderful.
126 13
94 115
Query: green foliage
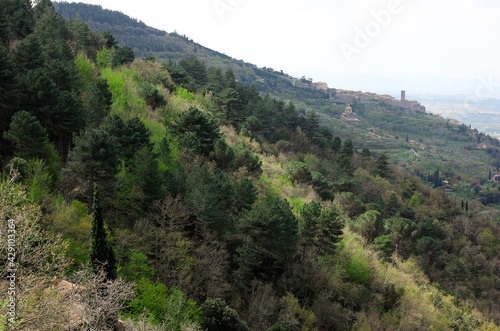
265 237
223 155
196 69
103 58
384 245
86 71
136 267
101 252
145 170
210 196
218 316
428 247
96 102
170 306
184 94
321 185
356 266
400 230
151 95
295 317
74 222
196 130
369 225
93 159
228 105
344 160
298 171
245 195
382 166
122 55
27 135
243 157
38 180
319 229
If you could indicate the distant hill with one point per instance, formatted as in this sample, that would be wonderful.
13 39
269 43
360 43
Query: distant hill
146 40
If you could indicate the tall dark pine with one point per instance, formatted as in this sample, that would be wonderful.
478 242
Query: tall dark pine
8 94
101 253
382 164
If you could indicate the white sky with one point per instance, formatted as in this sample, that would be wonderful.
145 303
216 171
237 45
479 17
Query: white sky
426 46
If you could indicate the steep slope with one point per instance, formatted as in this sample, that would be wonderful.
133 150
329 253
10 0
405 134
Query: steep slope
418 140
223 209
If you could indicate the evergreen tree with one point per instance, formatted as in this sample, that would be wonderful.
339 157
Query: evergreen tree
122 55
265 237
345 158
8 94
147 174
365 152
229 80
210 196
245 195
101 253
27 135
336 144
392 206
66 119
110 39
17 17
96 103
94 158
196 69
311 124
196 130
229 106
29 54
382 166
319 229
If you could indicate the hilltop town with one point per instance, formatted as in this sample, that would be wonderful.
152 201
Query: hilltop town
349 97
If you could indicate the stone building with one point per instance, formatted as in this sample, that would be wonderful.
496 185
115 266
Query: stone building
350 117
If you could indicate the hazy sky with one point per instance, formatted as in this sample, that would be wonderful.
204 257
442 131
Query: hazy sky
377 45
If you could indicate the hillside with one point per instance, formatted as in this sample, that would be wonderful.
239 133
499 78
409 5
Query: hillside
172 196
460 154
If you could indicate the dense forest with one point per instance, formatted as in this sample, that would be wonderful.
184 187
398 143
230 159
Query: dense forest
140 194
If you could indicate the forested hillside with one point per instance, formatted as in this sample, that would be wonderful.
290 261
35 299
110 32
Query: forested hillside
432 147
174 197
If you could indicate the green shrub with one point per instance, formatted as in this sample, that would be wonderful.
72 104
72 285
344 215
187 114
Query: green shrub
245 158
170 306
299 171
217 316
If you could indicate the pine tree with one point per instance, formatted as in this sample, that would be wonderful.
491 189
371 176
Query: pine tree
365 152
94 158
336 144
29 54
27 135
196 130
101 253
8 94
345 158
382 164
229 106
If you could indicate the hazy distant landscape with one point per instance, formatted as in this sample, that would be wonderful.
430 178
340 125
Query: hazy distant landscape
483 114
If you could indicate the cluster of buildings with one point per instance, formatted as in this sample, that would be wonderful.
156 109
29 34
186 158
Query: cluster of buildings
348 96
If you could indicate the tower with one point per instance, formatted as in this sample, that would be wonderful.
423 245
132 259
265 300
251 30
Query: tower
403 96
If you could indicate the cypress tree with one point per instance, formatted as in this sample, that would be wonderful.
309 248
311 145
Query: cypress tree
382 168
101 253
